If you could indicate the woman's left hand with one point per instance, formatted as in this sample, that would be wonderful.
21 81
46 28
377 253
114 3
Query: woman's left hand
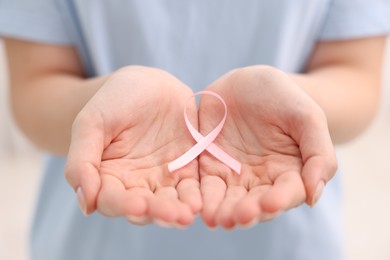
281 137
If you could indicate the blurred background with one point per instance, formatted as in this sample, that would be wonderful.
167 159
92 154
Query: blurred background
364 163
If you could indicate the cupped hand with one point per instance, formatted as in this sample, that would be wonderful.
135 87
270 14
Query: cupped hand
122 141
280 136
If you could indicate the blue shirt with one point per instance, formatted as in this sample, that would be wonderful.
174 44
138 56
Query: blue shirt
197 41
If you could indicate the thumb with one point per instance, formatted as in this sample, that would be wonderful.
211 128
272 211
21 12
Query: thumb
317 171
318 155
83 162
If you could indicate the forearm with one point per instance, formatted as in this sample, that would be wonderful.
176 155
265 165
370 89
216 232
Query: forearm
46 106
348 97
344 78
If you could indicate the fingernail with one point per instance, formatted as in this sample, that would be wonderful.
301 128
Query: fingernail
269 216
81 200
141 221
163 223
318 193
250 224
135 220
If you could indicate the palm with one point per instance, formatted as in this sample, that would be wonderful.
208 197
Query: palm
261 132
143 131
124 138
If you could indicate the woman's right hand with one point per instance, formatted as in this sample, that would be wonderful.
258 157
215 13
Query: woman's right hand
122 141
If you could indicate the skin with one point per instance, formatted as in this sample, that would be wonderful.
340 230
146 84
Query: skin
131 137
280 126
277 132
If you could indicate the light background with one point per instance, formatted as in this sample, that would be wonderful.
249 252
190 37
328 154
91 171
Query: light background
365 165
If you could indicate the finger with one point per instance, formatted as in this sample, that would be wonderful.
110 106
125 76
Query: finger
114 200
320 163
286 192
83 162
213 190
316 172
167 210
225 214
140 221
189 193
248 210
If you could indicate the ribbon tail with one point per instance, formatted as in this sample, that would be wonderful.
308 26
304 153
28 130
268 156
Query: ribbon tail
224 157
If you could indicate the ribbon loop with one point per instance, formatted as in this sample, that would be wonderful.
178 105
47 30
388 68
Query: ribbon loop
205 142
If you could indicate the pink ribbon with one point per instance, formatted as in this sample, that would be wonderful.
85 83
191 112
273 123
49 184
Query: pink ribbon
205 142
